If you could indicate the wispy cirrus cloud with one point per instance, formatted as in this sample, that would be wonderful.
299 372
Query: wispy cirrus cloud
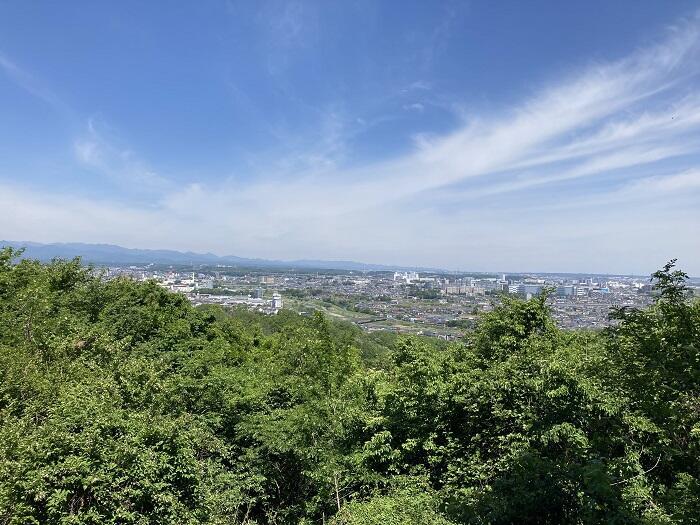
627 107
608 118
32 85
95 152
91 149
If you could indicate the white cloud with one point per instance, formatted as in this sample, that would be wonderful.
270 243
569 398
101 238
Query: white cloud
93 151
654 186
32 85
416 106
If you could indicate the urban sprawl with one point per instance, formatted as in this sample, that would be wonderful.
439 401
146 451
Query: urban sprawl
432 304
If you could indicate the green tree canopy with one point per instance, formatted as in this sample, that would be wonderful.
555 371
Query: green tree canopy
122 403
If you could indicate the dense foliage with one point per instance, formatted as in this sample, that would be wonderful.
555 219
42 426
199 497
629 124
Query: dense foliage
121 403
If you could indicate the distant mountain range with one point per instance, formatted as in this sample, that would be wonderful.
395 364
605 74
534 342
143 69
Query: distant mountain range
112 254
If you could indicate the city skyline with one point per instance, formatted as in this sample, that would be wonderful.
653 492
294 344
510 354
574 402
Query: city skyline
460 136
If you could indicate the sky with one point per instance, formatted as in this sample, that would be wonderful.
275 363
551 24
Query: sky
467 135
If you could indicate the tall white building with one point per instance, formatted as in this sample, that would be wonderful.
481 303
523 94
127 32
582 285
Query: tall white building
407 277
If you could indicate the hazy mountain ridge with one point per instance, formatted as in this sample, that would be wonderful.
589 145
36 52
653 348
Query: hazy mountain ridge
111 253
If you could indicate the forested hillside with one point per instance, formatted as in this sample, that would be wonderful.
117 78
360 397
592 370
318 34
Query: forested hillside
121 403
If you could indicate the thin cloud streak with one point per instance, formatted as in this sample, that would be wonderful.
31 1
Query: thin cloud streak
33 86
538 134
95 152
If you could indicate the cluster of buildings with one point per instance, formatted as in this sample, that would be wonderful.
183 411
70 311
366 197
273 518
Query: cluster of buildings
406 277
526 288
474 286
210 287
437 304
257 302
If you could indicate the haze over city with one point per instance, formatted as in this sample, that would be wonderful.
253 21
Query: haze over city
464 135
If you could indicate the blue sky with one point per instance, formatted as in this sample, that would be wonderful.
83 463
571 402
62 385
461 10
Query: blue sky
513 136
